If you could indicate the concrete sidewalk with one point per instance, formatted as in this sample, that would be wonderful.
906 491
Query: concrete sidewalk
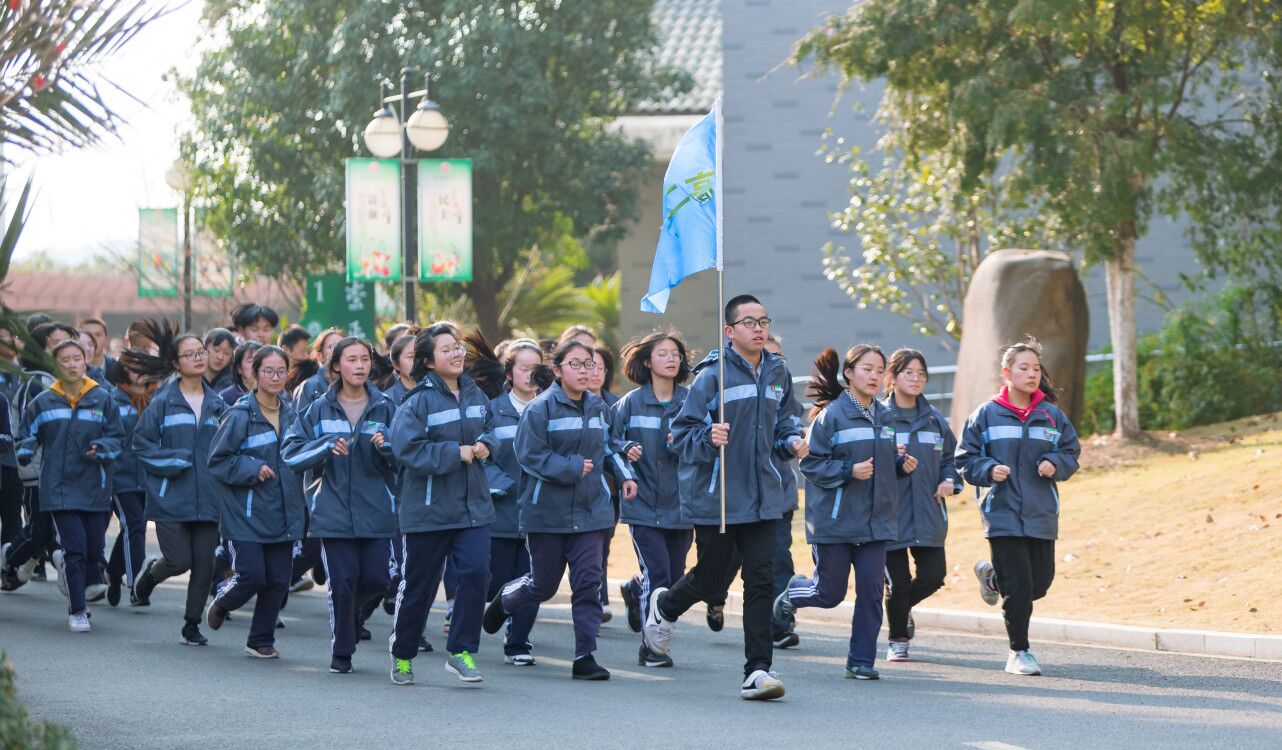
1195 642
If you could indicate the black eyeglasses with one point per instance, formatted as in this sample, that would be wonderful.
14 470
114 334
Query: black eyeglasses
752 324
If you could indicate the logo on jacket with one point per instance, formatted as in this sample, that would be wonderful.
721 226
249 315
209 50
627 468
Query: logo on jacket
887 432
776 392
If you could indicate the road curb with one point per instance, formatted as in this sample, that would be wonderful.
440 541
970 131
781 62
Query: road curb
1197 642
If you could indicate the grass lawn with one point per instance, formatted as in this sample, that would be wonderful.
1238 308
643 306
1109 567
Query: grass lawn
1183 531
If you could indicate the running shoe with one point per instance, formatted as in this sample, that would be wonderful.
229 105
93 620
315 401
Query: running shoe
627 590
192 635
340 664
402 672
78 622
262 652
898 651
787 640
520 660
647 659
494 615
761 686
987 582
463 666
657 633
862 673
586 668
715 617
1022 662
60 562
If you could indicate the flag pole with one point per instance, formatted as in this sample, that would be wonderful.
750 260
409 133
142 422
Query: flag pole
721 304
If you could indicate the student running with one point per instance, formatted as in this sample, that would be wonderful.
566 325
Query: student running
1019 446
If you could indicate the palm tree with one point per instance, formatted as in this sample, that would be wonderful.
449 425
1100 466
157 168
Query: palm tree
50 96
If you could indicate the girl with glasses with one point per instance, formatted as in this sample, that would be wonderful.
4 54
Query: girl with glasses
563 446
172 443
263 506
929 477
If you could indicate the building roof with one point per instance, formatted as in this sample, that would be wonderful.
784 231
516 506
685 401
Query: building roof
690 40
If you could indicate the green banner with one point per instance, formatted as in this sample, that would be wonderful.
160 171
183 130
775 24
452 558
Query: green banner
211 264
444 220
373 220
159 252
335 302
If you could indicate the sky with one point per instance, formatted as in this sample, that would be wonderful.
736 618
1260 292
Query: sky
87 200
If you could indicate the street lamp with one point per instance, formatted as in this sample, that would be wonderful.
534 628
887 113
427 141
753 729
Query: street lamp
392 133
178 177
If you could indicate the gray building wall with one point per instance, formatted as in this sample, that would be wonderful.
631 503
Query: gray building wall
779 194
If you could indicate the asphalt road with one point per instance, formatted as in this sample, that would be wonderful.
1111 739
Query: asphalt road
129 684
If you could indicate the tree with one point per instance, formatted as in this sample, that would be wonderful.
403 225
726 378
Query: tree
50 97
1094 106
921 235
529 86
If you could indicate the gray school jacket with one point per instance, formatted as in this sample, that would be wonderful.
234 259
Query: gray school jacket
173 446
757 408
503 471
639 419
352 496
69 479
553 439
923 520
436 490
839 508
256 511
1026 504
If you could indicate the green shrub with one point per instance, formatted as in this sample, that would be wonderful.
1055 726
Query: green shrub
17 730
1214 361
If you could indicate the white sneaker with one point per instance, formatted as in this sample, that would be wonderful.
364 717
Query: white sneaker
761 686
898 651
60 562
520 660
987 582
657 633
78 622
1022 662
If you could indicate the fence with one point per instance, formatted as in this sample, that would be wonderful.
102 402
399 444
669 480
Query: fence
940 387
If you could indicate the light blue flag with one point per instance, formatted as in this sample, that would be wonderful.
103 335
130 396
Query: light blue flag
688 239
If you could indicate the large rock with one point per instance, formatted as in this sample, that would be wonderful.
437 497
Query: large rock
1016 293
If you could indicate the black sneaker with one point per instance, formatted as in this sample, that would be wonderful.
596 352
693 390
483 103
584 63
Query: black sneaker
192 635
646 658
318 575
365 635
389 606
495 617
340 664
144 584
587 669
113 591
9 580
627 591
716 617
787 640
423 646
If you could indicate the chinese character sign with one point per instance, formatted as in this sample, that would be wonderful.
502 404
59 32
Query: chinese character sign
445 220
333 301
159 249
211 264
373 220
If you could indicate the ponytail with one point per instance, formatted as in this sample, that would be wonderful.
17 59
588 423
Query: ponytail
154 368
825 380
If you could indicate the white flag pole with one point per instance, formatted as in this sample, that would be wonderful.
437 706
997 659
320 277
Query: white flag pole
721 303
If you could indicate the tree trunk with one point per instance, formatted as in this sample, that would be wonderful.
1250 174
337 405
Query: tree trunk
1120 276
484 293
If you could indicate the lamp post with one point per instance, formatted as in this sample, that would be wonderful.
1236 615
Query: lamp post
179 178
391 133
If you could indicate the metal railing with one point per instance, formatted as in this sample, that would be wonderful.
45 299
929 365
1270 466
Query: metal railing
942 378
